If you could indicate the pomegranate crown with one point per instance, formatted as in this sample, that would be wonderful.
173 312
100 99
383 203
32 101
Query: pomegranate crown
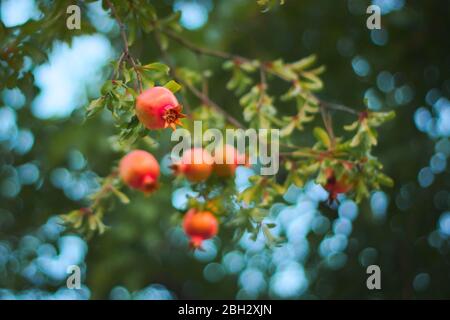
149 184
172 116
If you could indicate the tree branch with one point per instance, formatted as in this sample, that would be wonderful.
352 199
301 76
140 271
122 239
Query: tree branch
229 56
202 50
206 100
126 48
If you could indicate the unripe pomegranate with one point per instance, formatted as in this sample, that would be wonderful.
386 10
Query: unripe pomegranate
140 170
335 187
158 108
199 226
195 164
226 160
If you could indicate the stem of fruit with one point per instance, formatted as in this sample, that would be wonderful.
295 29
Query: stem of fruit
104 191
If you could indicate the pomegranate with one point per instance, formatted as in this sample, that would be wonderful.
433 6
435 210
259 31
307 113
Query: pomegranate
226 160
195 164
335 186
140 170
158 108
199 226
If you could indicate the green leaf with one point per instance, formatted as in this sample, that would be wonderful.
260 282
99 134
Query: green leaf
314 83
126 75
173 86
94 107
361 191
92 222
287 130
156 66
352 126
376 119
304 63
101 227
239 82
107 87
385 180
322 136
293 92
120 195
297 180
250 66
249 194
284 71
229 64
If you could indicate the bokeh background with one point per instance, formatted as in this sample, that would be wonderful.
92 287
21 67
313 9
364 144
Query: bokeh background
50 158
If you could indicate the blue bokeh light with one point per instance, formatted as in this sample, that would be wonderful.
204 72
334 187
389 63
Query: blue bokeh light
16 12
194 14
71 75
361 66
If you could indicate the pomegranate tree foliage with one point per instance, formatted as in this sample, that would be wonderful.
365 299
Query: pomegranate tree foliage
292 107
348 157
143 242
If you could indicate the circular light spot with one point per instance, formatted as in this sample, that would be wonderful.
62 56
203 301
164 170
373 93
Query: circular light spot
214 272
425 177
379 37
361 66
421 282
194 15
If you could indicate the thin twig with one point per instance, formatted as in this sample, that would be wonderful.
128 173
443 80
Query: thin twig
126 48
138 74
202 50
172 70
338 107
105 190
206 100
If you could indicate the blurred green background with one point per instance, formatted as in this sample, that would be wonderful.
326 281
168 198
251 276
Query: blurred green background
50 157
